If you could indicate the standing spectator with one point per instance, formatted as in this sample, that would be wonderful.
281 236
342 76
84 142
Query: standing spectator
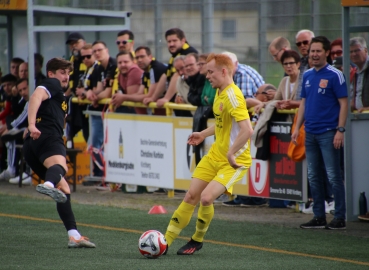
360 87
245 77
277 47
75 42
303 39
336 56
39 61
324 109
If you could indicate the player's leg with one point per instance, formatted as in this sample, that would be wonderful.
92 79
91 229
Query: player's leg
182 216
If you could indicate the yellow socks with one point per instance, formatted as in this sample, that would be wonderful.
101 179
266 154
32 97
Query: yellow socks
204 217
180 219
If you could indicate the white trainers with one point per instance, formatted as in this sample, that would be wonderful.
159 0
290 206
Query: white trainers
6 175
26 180
308 209
329 207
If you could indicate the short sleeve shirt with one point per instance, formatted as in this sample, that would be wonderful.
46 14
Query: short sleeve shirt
229 108
51 113
321 90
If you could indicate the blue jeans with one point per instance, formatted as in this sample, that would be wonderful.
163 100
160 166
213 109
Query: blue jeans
97 139
319 149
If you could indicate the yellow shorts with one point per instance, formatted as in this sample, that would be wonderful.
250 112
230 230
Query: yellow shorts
220 171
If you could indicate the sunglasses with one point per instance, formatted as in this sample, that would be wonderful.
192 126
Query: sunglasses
338 52
124 42
288 64
86 56
305 42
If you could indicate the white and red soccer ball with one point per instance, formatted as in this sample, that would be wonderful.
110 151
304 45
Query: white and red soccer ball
152 244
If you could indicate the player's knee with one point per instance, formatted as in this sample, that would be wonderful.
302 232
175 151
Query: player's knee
55 173
206 199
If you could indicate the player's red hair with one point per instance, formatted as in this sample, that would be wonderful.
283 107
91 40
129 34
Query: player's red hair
221 61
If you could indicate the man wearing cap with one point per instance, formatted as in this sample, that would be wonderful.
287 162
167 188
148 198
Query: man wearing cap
75 41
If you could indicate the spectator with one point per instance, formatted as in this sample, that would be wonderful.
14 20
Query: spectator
75 42
14 135
303 39
265 93
336 56
101 88
360 86
277 47
182 86
39 61
23 71
245 77
14 66
129 81
152 71
177 45
324 109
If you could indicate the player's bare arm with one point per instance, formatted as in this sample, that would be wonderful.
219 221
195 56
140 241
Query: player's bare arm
34 104
243 136
197 137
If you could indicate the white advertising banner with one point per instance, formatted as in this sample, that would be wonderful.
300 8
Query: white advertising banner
139 150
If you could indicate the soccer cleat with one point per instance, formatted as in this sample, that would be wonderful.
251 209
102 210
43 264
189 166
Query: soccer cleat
190 248
54 193
336 224
83 242
315 223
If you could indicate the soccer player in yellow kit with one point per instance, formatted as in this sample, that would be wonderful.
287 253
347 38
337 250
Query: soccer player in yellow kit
227 161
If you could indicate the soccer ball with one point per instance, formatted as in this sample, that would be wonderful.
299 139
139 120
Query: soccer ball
152 244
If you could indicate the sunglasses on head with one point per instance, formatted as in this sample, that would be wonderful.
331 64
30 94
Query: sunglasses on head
86 56
124 42
305 42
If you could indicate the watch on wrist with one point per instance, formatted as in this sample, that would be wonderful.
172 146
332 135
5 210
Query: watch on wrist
341 129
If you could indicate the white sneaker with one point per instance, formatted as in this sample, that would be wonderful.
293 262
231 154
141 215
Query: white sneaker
15 180
329 207
6 175
309 209
27 181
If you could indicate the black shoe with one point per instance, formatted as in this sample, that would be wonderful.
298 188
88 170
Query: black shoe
190 248
315 223
231 203
336 224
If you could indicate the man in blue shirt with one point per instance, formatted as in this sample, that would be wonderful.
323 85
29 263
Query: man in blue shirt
324 108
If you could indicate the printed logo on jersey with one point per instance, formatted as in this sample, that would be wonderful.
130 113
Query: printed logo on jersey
64 106
321 91
323 83
38 120
307 84
221 106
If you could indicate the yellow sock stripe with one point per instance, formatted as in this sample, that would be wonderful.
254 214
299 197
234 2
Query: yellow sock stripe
174 229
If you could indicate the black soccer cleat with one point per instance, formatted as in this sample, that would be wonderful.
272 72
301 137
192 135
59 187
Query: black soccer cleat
190 248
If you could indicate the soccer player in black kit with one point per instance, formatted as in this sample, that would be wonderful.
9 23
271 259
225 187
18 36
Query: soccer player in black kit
44 146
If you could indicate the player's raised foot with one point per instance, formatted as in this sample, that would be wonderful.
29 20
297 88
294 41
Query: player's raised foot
190 248
83 242
54 193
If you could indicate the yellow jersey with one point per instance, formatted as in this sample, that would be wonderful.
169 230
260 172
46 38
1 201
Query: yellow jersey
229 107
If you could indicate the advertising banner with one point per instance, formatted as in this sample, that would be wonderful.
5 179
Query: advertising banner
139 150
287 178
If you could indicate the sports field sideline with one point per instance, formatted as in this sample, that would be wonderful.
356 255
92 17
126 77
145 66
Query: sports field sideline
32 237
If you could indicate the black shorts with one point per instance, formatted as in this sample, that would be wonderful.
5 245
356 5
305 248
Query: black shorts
36 151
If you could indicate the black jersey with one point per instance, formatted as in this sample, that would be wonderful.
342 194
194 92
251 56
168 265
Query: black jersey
51 114
186 49
152 76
